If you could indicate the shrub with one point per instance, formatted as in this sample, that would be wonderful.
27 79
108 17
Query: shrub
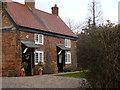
36 69
69 69
54 67
40 64
24 65
47 70
99 53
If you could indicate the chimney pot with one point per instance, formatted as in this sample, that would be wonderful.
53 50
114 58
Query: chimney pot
30 3
55 5
55 10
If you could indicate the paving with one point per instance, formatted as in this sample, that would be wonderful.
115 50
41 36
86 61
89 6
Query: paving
43 81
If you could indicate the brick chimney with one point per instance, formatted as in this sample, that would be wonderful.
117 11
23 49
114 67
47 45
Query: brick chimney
55 10
30 3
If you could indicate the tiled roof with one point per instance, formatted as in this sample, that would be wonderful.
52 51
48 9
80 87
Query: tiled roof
37 19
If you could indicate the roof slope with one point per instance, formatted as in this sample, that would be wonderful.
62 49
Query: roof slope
37 19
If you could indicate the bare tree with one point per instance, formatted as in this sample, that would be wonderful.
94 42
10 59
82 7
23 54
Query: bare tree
76 27
94 13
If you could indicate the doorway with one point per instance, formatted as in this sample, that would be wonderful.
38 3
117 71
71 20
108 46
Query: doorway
60 59
28 56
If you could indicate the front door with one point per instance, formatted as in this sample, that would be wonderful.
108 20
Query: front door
60 60
28 56
28 60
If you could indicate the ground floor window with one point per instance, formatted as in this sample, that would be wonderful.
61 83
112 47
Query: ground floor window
67 57
39 57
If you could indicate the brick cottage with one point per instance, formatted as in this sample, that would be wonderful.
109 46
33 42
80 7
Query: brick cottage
32 35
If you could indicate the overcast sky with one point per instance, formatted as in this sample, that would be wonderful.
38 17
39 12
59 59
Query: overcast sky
78 9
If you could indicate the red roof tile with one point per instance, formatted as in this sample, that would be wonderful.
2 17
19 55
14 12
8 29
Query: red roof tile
37 19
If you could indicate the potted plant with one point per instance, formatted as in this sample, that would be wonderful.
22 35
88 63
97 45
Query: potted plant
40 67
18 74
36 71
23 66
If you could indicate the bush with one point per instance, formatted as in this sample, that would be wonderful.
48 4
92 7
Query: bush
54 67
69 69
47 70
40 64
36 69
24 65
99 53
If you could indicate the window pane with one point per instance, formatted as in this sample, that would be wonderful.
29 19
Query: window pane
67 42
68 57
40 38
40 57
36 37
65 57
36 57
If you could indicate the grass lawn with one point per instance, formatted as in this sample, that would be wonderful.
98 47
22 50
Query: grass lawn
76 75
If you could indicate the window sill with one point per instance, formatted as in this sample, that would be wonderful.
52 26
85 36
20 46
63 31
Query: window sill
39 43
67 62
68 46
36 63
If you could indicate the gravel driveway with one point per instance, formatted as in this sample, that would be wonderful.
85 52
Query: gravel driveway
44 81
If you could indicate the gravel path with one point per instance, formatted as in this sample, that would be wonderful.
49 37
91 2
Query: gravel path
44 81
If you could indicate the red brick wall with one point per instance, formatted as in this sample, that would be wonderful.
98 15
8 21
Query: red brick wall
12 51
12 55
49 46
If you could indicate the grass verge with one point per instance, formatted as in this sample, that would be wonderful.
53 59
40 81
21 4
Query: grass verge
75 75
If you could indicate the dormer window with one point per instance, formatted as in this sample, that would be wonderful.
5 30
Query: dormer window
68 43
39 39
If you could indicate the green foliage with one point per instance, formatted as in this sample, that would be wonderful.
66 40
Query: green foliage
36 69
40 64
47 70
54 67
50 68
69 69
24 65
99 52
76 75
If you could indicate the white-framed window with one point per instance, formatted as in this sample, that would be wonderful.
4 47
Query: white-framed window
39 38
67 57
39 56
68 43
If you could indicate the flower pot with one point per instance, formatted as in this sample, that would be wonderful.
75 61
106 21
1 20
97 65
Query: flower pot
18 74
23 74
36 73
40 73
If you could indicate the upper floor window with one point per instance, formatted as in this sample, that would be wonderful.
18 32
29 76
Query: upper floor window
68 43
39 38
39 57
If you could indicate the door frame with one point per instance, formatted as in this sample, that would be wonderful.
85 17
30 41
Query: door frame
32 65
60 65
